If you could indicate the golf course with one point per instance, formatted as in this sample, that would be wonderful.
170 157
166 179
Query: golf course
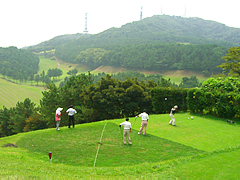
203 147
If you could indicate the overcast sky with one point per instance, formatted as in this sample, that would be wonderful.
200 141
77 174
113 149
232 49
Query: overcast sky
29 22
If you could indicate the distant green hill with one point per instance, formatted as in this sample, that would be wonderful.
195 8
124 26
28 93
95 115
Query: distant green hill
155 29
175 29
165 29
56 41
146 43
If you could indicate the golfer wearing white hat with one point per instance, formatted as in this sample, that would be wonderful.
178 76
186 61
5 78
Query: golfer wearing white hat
58 117
173 110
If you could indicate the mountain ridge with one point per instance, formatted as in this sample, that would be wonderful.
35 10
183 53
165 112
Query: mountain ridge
158 28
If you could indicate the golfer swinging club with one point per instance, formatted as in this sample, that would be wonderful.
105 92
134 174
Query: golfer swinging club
127 131
173 110
145 118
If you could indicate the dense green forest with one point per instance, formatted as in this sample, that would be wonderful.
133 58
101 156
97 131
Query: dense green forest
19 64
156 57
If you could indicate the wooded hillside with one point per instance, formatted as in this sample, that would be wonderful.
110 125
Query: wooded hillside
156 57
152 43
18 63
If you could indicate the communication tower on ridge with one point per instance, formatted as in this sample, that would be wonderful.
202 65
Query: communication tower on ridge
185 14
161 10
85 30
141 13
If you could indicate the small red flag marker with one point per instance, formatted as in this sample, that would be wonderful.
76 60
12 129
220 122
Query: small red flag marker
50 156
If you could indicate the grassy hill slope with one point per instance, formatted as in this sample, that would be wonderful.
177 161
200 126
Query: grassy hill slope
204 147
175 76
11 93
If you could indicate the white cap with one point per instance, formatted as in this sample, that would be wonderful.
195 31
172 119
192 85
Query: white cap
59 109
175 106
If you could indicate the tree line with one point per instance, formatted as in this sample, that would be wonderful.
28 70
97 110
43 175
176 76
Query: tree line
187 82
18 64
159 57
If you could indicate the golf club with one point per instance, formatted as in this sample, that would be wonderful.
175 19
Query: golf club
134 121
121 131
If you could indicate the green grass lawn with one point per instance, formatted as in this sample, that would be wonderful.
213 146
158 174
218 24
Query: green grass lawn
11 93
47 63
205 147
177 79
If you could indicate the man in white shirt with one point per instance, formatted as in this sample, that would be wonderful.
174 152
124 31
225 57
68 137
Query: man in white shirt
127 131
145 118
71 112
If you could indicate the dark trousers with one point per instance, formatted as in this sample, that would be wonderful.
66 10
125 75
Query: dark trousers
71 118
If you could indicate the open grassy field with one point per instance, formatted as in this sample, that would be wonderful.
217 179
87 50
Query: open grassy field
11 93
203 148
46 64
175 76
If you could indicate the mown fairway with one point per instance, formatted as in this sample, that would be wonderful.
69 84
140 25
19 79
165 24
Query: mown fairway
50 63
11 93
204 147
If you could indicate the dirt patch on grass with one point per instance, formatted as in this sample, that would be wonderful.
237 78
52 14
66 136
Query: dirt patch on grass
9 145
109 69
182 73
114 70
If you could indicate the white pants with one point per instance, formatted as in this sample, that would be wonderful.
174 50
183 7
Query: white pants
144 125
126 133
172 121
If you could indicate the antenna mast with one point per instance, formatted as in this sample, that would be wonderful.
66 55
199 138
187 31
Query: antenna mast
85 30
185 14
141 13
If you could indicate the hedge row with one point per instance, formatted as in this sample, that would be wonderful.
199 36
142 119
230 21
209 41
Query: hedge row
224 105
163 99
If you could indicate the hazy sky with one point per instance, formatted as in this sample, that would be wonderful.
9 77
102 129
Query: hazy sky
29 22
